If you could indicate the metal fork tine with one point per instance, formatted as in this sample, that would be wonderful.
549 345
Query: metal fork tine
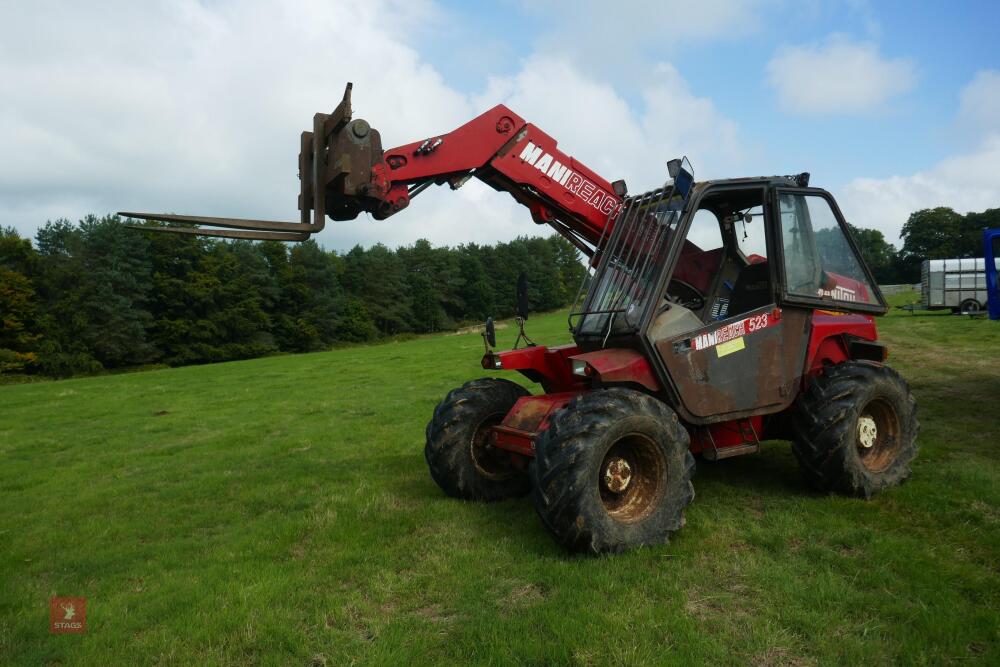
234 223
261 235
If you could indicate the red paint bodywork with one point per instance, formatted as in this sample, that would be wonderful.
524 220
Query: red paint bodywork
490 146
620 366
827 343
528 418
553 368
726 434
549 366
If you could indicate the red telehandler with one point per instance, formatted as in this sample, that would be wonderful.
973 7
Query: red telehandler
719 314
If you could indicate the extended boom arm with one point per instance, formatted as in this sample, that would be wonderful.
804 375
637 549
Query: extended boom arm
344 171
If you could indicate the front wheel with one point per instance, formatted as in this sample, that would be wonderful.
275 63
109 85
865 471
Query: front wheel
856 428
458 451
612 471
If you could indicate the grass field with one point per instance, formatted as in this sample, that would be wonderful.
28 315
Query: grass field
279 511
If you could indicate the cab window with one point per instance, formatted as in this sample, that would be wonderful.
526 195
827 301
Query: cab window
818 260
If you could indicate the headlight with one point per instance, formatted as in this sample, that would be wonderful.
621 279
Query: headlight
581 367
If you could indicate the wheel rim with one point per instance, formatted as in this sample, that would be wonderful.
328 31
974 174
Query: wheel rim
490 462
631 478
878 435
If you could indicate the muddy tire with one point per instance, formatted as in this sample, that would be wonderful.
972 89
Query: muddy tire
612 471
856 429
457 453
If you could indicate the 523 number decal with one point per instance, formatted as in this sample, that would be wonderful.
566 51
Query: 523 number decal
727 332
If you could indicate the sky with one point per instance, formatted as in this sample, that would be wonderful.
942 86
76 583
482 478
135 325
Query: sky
196 107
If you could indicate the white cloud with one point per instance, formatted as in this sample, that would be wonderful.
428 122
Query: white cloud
191 108
595 124
837 77
980 102
611 38
194 108
966 182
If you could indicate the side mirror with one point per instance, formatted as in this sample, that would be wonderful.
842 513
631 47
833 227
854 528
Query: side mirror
491 332
522 296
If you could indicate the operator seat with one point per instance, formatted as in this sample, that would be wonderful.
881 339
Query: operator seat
752 289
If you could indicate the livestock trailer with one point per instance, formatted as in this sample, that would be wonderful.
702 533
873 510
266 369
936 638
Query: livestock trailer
958 284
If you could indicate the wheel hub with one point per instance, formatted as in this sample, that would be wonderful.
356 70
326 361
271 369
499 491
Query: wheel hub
617 475
867 431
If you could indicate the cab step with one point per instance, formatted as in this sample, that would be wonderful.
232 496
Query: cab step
729 452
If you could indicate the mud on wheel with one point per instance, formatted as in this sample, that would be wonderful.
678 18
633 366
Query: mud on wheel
458 453
856 429
612 471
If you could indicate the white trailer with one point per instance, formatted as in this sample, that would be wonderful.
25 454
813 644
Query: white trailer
958 284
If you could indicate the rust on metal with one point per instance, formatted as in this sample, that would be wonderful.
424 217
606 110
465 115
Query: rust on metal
633 478
758 372
526 420
513 440
878 435
617 474
488 460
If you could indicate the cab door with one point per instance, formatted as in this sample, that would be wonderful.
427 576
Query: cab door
751 360
747 364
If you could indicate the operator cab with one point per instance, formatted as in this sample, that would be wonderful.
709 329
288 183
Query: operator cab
678 261
724 266
718 287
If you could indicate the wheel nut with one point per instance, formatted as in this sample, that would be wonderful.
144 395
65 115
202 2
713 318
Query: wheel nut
617 475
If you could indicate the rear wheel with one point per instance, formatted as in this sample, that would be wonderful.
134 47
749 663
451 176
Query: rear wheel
458 452
612 471
856 429
969 306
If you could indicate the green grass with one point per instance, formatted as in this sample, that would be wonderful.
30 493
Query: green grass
279 511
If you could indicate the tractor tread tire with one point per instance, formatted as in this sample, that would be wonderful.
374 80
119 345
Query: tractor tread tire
825 423
449 436
568 457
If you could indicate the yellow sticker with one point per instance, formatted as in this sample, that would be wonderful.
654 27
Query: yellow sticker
730 346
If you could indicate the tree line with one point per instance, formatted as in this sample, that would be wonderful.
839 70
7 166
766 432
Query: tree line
932 233
96 295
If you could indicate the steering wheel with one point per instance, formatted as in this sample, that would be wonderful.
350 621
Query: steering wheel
684 294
